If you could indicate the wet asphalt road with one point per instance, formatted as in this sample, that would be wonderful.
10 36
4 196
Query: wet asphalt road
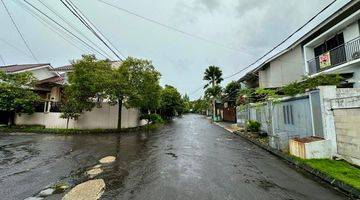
187 159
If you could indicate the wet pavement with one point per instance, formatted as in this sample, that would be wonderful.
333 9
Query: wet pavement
188 158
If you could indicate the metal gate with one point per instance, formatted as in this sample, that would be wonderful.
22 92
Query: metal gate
293 117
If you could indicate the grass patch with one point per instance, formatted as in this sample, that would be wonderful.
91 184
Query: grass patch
42 129
340 170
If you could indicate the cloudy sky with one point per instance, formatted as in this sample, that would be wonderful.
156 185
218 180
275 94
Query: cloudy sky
231 34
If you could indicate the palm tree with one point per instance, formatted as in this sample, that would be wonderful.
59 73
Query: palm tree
213 74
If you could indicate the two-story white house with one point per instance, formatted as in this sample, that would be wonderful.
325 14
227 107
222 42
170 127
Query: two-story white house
330 43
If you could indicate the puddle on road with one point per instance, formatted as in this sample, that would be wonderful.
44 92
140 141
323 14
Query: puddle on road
89 190
107 159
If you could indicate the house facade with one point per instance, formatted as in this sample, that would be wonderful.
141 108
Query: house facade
329 44
50 87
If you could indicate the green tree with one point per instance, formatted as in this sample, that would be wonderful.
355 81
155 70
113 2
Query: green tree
201 105
213 74
16 94
145 84
87 83
186 103
213 92
135 83
171 102
232 89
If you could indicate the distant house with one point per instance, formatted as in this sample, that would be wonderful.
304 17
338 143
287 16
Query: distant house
50 87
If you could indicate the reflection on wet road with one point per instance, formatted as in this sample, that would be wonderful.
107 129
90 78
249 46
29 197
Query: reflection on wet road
186 159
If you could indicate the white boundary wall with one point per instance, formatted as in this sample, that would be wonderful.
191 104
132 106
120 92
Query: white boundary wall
105 117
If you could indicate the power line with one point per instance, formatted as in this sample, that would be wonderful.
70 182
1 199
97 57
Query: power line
19 32
97 29
14 47
68 31
76 12
197 90
175 29
48 25
72 26
282 42
2 60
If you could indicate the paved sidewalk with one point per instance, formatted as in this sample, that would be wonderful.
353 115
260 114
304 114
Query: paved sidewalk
232 127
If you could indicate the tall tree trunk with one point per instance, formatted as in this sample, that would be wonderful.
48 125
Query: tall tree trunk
120 111
67 122
214 100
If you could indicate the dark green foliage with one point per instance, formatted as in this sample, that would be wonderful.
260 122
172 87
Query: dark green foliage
295 87
213 74
86 83
253 126
200 105
186 103
152 118
213 92
16 94
135 83
171 103
246 96
232 89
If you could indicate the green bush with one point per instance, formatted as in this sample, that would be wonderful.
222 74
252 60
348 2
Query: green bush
253 126
153 118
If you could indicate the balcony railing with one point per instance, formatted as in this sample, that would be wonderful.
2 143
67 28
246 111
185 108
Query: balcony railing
337 56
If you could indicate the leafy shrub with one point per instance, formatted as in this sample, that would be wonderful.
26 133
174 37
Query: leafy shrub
307 83
253 126
153 118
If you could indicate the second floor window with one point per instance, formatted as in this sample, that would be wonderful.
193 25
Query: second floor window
329 44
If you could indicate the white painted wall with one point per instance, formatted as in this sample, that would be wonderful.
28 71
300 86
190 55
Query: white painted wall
283 70
310 150
327 93
105 117
348 135
318 149
43 73
351 32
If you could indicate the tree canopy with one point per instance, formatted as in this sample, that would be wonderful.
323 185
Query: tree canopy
232 89
171 103
135 83
213 92
16 94
213 74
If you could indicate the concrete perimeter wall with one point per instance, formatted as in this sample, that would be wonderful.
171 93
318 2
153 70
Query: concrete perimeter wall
347 123
105 117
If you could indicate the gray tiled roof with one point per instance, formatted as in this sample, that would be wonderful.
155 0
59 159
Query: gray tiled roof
16 68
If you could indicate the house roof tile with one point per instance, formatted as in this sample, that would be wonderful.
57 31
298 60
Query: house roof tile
17 68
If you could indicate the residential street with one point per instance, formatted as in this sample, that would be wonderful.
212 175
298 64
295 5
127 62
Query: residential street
187 159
